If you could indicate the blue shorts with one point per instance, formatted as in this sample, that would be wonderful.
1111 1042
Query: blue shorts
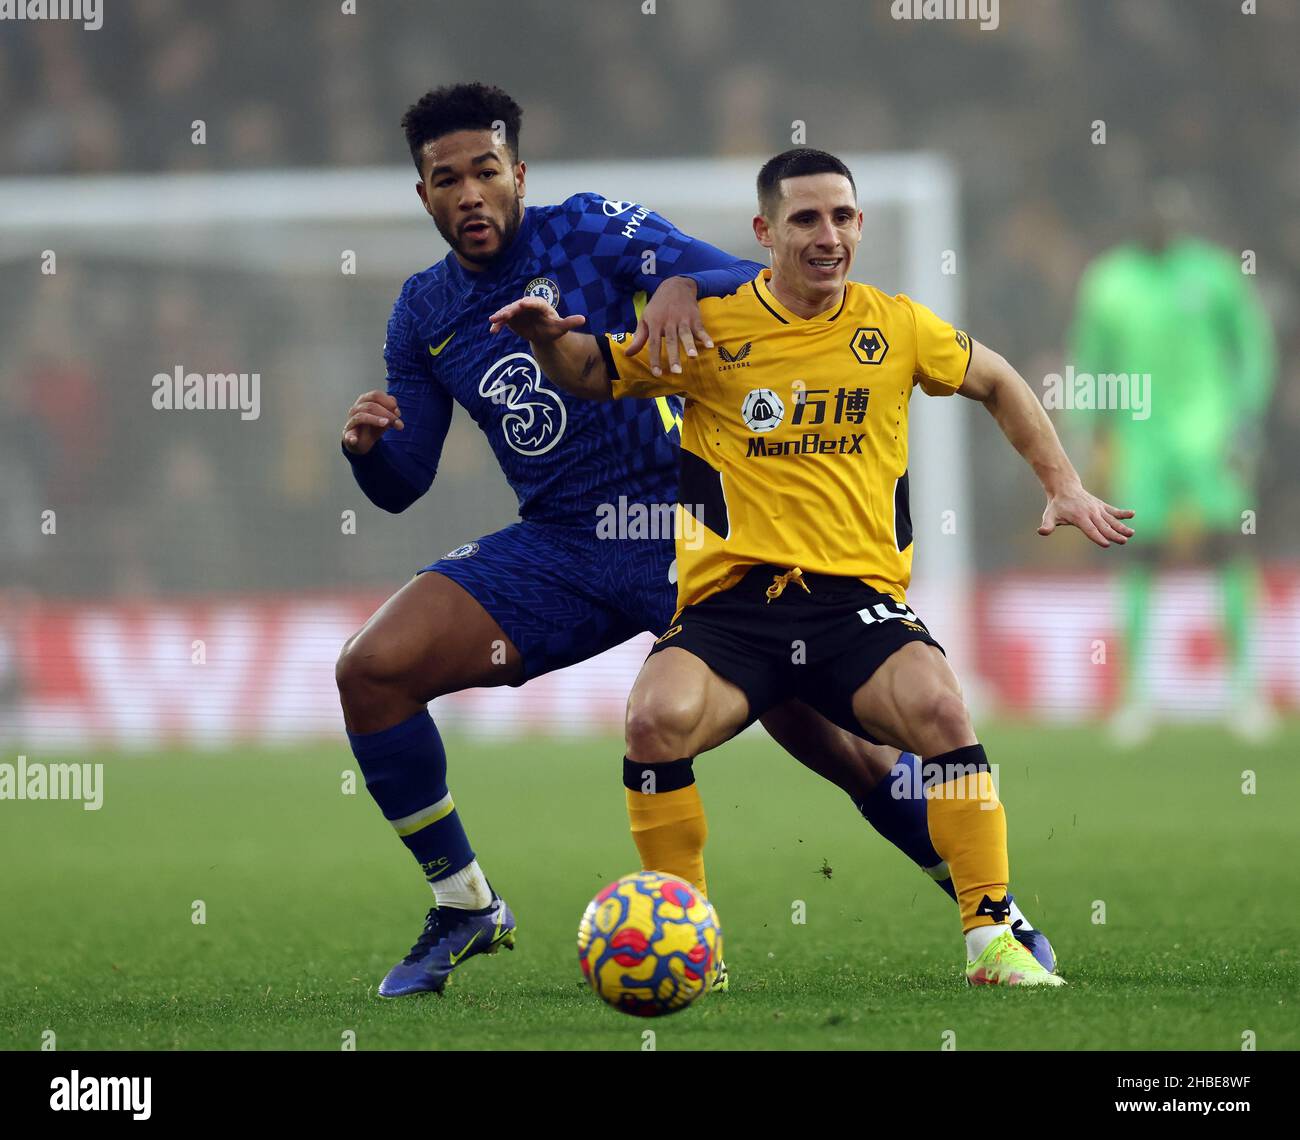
561 594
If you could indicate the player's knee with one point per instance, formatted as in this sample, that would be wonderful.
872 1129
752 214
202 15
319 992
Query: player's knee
946 715
661 729
348 669
363 667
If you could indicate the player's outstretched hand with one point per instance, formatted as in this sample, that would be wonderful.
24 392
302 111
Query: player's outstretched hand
373 414
534 320
1099 521
671 320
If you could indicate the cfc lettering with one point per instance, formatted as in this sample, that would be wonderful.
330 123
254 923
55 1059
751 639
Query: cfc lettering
435 867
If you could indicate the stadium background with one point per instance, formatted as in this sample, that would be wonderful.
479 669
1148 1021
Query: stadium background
223 766
180 527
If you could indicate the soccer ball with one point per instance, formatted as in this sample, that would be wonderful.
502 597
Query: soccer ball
649 944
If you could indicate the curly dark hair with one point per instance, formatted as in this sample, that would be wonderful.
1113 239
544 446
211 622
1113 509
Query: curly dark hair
460 107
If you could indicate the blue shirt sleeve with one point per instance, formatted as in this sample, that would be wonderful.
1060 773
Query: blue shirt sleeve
401 466
722 280
641 249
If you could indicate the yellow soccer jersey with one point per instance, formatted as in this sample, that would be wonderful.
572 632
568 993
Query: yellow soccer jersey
794 434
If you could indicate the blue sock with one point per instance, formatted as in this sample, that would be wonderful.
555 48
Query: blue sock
405 768
896 808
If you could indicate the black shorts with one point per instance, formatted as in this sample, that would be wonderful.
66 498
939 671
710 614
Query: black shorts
820 645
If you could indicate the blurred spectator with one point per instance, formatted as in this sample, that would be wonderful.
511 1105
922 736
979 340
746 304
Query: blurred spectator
1195 89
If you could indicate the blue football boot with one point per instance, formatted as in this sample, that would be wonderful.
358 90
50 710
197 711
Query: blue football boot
1035 941
449 937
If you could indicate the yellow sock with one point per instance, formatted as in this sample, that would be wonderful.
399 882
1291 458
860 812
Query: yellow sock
968 828
670 832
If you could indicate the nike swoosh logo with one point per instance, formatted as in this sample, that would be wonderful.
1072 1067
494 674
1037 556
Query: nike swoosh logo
465 949
434 351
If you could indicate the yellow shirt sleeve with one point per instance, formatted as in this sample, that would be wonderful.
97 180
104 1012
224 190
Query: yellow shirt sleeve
631 375
942 351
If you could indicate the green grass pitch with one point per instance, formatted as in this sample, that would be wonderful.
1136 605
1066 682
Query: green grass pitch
309 898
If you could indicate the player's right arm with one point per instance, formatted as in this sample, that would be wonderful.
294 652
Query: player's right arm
371 414
592 368
393 439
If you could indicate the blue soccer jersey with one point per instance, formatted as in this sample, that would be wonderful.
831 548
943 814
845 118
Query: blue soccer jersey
560 590
562 456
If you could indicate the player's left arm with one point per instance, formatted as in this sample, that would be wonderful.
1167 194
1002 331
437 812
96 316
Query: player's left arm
644 251
993 382
673 314
672 318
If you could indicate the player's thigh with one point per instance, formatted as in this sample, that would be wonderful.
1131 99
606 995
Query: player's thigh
829 750
681 706
431 637
913 701
545 585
